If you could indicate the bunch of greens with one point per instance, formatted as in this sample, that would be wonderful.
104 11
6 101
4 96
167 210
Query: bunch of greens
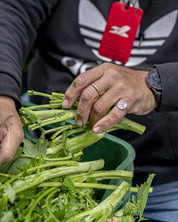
46 181
63 142
61 189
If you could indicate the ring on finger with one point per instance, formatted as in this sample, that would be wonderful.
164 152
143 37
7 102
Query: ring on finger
97 89
122 105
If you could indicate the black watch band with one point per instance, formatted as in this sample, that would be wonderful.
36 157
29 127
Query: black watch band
153 81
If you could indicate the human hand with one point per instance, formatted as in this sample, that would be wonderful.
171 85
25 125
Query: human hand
116 83
11 131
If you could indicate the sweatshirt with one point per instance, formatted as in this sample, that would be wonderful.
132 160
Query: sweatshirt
64 37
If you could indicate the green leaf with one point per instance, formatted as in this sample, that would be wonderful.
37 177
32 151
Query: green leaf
142 194
10 192
40 147
74 83
23 204
69 184
9 166
3 202
51 219
7 217
130 209
31 149
28 147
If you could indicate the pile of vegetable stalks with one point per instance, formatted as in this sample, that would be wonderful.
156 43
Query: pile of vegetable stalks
46 181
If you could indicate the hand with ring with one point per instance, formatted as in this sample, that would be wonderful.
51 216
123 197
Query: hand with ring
107 92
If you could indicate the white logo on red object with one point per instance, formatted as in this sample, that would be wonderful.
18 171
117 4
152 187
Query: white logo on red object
121 31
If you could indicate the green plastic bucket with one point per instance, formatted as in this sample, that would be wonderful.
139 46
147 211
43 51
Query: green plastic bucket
117 154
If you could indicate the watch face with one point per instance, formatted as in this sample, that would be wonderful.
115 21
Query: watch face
154 80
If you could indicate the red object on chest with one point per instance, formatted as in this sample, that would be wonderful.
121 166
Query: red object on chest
120 32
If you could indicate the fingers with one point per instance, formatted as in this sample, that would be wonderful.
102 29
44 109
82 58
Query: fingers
7 148
11 131
89 96
108 121
80 83
11 137
93 105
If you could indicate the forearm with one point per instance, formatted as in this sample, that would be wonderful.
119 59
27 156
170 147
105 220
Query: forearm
19 22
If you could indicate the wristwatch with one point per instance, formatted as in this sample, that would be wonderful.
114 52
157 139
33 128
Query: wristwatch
153 82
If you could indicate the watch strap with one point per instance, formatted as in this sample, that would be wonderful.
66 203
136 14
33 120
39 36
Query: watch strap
153 81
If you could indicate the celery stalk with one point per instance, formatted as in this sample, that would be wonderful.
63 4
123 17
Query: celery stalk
77 143
37 178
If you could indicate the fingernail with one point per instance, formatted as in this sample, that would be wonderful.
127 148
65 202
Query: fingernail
65 103
79 122
97 130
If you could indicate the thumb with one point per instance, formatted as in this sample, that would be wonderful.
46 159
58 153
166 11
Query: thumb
10 140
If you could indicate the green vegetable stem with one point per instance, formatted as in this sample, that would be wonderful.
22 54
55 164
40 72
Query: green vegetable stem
101 212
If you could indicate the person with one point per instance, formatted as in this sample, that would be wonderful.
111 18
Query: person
64 37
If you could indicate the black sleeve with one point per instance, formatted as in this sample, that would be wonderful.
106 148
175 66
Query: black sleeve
19 23
169 79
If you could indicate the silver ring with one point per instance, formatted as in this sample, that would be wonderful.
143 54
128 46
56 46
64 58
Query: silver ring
121 104
97 89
